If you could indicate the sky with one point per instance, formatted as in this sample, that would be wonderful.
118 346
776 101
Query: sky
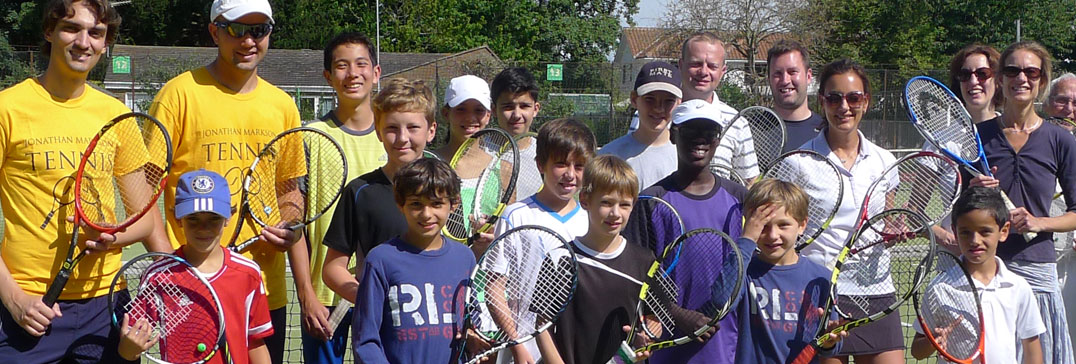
650 12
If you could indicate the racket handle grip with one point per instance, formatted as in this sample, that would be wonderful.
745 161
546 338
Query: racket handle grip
244 245
338 313
57 286
1011 206
806 355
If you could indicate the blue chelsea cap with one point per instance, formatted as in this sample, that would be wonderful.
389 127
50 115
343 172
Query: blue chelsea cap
200 191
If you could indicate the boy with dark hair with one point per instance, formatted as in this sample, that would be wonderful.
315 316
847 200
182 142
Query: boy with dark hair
703 199
203 207
980 223
781 304
410 303
611 269
45 123
515 102
364 217
564 146
352 71
647 149
789 76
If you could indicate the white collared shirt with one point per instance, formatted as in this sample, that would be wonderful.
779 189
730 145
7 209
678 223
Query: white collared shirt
870 163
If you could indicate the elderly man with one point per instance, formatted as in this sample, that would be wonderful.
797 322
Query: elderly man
1061 103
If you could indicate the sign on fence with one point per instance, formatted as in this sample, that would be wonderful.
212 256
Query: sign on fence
554 72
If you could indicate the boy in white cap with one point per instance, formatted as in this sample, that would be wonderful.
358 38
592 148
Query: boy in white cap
647 149
219 116
467 109
203 207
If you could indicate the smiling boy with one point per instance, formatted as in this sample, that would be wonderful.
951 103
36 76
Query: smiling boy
647 149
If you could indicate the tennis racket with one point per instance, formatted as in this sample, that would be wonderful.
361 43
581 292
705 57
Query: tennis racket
944 122
881 267
488 165
1068 124
295 178
179 304
520 286
926 183
338 313
767 133
529 181
120 176
670 321
659 221
949 311
726 172
821 179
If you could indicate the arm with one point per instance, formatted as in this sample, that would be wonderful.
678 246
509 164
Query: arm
366 321
921 347
28 311
315 316
548 348
336 275
1032 350
258 352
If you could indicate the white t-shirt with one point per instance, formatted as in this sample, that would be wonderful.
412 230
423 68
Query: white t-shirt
1010 314
737 149
650 162
530 179
871 162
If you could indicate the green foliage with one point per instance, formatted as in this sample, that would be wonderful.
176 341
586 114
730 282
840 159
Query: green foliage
13 68
152 75
734 95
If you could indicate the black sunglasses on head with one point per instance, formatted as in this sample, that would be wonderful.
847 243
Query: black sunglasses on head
239 30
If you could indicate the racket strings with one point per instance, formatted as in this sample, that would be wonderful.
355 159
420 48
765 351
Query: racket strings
945 120
485 165
883 266
767 134
529 181
950 309
726 172
660 302
522 283
663 224
123 173
924 183
273 187
819 179
326 174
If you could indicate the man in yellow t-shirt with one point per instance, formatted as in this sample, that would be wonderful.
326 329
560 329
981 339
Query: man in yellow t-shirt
351 69
46 123
219 117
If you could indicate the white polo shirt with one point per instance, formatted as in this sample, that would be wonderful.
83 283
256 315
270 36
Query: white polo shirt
870 163
1010 314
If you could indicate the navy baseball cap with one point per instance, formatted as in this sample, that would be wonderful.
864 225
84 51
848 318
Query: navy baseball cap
658 76
200 191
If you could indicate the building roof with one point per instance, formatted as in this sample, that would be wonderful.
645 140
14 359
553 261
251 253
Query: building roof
664 43
281 67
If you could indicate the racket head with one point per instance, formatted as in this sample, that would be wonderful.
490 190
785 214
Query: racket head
661 221
521 285
488 166
122 172
949 303
281 175
726 172
682 321
767 133
941 118
179 304
882 266
820 179
530 179
923 182
1067 123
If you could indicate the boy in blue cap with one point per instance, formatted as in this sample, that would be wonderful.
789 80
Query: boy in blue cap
203 206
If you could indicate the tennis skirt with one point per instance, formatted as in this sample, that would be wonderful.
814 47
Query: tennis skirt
878 336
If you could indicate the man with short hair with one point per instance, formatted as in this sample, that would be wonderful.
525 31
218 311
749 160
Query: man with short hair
1061 103
789 75
46 122
702 65
219 117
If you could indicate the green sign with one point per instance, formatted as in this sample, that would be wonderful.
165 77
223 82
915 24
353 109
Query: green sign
554 72
121 64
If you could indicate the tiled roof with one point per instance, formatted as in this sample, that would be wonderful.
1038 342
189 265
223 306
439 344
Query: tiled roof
664 43
281 67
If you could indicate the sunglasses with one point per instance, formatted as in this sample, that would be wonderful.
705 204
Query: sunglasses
239 30
1032 73
983 74
855 99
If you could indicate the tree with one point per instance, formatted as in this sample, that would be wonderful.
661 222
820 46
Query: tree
13 67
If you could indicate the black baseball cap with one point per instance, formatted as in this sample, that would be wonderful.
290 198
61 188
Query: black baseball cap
658 76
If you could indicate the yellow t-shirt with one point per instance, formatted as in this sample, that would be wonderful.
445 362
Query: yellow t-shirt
363 153
222 131
41 141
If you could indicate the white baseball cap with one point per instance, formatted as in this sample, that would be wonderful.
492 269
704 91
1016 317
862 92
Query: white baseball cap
235 9
467 87
696 109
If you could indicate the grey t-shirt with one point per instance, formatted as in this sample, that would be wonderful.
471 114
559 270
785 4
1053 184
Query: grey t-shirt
799 132
651 163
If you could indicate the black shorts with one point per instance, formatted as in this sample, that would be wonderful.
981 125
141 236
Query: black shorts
878 336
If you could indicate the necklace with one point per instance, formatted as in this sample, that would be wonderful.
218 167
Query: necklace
1013 129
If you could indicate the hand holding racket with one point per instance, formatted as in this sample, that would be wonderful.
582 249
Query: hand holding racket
165 295
120 176
519 287
950 314
944 122
295 178
663 316
488 165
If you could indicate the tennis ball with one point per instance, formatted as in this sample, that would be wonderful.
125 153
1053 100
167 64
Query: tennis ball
201 347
